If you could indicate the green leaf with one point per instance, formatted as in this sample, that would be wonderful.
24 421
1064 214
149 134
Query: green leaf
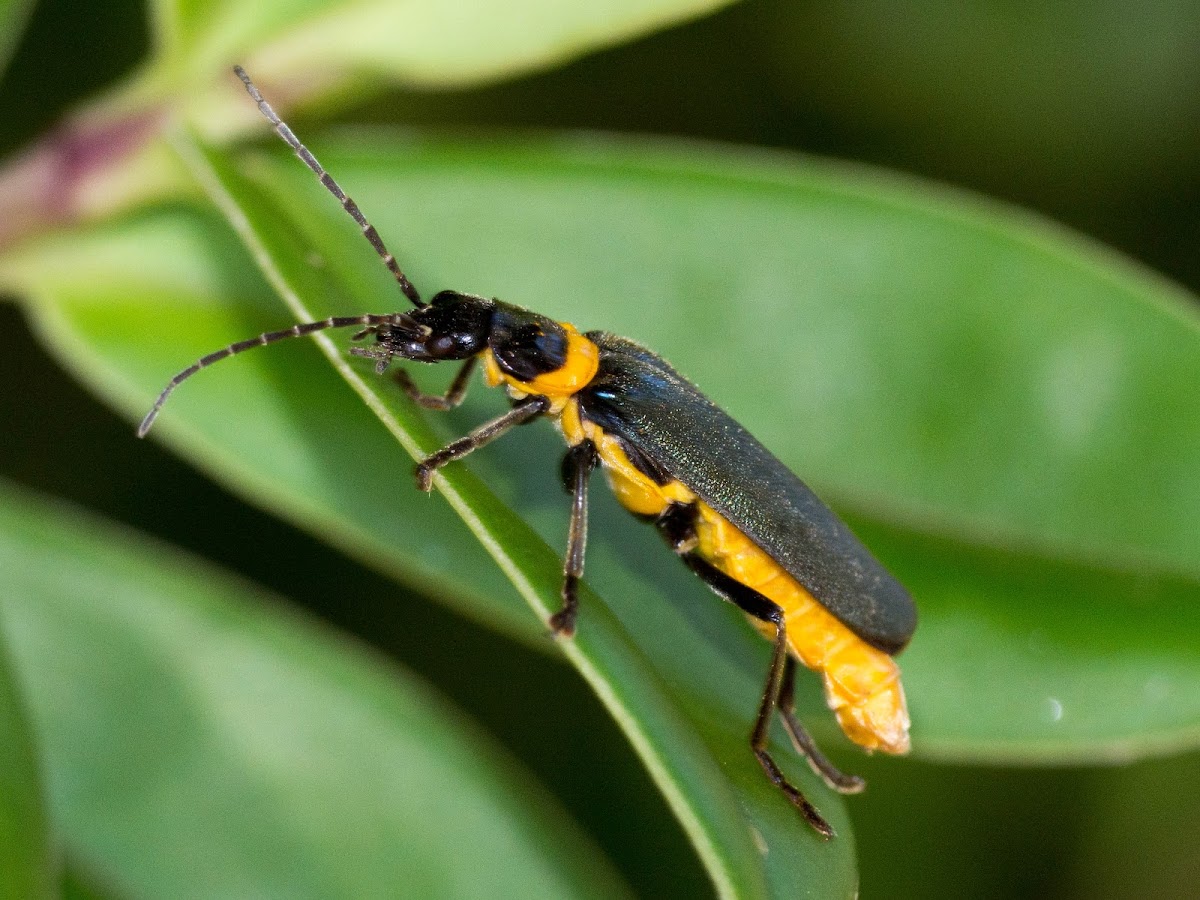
180 273
671 747
13 16
108 156
1007 414
1003 412
1025 658
681 746
27 865
315 42
202 741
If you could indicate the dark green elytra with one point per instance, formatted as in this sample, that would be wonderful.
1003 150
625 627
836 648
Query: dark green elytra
638 396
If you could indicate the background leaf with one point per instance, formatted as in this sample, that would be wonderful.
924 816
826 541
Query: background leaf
109 156
13 15
27 864
616 669
424 42
997 99
203 742
895 402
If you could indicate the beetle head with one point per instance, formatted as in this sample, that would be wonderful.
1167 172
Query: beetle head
452 326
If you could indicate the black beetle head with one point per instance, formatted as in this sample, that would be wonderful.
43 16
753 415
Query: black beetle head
452 326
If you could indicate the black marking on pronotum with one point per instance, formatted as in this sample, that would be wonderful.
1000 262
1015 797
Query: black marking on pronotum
733 513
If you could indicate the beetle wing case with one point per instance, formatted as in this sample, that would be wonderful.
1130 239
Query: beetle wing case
638 396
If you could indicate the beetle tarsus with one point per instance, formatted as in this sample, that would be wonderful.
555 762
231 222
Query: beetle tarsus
562 623
814 818
805 745
423 475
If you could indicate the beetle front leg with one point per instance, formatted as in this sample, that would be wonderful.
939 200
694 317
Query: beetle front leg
529 408
453 396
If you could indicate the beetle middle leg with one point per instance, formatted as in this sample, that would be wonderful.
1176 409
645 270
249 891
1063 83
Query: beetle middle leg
577 467
524 411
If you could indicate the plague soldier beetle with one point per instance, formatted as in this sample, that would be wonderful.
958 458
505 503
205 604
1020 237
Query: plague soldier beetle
736 516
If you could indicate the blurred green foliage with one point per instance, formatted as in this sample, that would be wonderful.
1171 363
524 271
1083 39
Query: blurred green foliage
1087 112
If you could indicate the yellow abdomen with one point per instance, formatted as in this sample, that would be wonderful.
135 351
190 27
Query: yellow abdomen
862 684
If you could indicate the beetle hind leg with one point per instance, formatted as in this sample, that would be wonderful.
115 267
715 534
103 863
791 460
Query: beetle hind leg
755 604
762 723
805 745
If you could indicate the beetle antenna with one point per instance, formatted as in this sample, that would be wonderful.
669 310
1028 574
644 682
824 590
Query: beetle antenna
371 322
306 156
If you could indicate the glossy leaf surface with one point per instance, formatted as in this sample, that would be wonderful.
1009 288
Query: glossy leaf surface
1002 412
426 42
202 741
27 865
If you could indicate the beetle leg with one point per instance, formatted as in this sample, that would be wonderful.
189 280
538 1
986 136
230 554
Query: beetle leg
755 604
576 468
453 396
529 408
677 525
805 745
